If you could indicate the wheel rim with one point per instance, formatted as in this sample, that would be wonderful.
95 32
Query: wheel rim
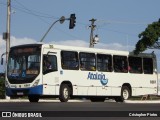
125 94
65 93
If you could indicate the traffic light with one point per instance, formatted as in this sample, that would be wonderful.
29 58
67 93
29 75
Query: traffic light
72 21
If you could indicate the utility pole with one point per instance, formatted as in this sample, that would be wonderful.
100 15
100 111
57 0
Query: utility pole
8 29
8 36
91 34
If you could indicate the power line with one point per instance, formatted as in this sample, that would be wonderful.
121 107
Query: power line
134 35
122 22
24 10
27 12
36 13
43 15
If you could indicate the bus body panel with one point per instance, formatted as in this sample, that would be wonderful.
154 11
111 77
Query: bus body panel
88 83
37 90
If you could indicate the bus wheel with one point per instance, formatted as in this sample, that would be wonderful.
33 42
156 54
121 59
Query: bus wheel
97 99
33 98
64 93
125 94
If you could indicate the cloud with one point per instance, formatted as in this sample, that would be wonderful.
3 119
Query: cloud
2 45
14 41
19 41
114 46
80 43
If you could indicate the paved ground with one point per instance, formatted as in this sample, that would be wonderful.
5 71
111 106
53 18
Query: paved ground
56 100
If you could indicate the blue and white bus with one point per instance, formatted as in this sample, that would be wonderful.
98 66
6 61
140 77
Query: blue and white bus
66 72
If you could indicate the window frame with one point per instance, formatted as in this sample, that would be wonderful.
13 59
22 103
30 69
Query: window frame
46 70
138 69
118 68
85 61
70 60
110 63
144 70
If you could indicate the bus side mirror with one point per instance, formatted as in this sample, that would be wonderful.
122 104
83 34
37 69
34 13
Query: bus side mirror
2 61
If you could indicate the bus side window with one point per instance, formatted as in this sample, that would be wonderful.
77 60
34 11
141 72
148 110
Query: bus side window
69 60
87 61
49 63
104 63
148 65
120 64
135 64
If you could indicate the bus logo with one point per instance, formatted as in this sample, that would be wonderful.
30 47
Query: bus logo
97 76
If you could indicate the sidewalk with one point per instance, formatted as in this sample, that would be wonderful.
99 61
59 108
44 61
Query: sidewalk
142 101
57 100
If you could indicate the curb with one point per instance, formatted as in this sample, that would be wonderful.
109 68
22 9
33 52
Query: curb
142 101
41 100
57 100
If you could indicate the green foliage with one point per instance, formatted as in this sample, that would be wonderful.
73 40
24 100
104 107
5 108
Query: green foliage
2 88
148 37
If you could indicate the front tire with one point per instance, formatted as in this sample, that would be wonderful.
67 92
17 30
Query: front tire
64 93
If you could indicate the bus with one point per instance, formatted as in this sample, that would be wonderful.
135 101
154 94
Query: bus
67 72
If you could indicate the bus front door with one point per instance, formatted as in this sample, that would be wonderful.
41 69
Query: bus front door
50 74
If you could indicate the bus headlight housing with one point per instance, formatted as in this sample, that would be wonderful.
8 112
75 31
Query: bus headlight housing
36 83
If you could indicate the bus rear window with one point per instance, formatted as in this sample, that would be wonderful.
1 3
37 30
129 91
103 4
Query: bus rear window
135 64
148 65
120 64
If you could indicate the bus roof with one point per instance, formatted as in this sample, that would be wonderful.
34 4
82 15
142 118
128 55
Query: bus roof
26 45
85 49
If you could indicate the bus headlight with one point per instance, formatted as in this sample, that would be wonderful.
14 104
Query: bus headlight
36 83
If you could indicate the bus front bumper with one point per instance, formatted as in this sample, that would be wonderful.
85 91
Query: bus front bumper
37 90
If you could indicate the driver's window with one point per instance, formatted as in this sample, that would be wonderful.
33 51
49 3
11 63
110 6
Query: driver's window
49 63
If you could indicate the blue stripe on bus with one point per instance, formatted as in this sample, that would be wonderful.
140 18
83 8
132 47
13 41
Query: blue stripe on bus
37 90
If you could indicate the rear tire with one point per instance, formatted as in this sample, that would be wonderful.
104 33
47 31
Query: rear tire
33 98
125 94
64 93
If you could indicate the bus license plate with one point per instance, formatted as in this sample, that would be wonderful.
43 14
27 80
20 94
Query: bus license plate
20 93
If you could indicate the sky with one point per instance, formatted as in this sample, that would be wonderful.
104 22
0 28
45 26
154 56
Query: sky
118 22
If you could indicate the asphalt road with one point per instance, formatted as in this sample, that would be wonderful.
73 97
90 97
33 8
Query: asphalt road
85 110
78 106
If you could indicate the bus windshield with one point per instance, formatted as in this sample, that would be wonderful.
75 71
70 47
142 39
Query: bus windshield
23 64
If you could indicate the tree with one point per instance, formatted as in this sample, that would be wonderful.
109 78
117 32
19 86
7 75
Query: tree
2 88
148 37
